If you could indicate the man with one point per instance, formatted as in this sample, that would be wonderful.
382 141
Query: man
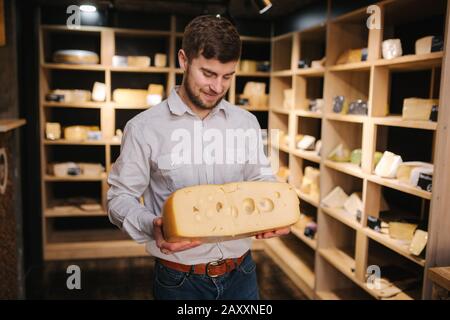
188 270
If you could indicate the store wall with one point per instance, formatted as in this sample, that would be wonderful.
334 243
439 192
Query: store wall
11 243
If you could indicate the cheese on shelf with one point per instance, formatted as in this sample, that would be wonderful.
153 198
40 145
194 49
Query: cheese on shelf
405 169
283 174
402 230
354 204
429 44
307 143
138 61
288 102
418 242
335 199
53 130
99 92
213 213
75 57
339 154
160 60
418 109
310 182
130 97
72 96
388 165
248 66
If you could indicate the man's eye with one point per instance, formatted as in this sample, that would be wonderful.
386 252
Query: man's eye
207 74
227 77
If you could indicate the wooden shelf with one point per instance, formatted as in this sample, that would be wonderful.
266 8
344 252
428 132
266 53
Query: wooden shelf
299 272
141 69
307 114
282 73
398 121
72 212
394 245
115 105
412 62
76 143
81 67
81 105
280 110
312 243
11 124
346 117
346 167
400 186
340 260
307 155
340 294
250 108
253 74
310 72
342 216
355 66
306 197
79 178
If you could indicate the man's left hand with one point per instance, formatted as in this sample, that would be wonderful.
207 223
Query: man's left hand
274 233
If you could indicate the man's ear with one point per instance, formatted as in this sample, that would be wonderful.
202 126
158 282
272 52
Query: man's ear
182 59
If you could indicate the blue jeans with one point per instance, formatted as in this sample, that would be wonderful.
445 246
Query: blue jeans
239 284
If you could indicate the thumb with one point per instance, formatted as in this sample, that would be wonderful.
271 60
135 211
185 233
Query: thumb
158 222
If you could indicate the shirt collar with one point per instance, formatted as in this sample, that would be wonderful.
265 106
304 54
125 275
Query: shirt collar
178 107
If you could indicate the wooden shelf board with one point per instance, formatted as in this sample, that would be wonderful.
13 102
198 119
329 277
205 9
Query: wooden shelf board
136 107
80 178
63 28
312 243
94 250
306 197
306 154
343 216
140 32
11 124
73 143
81 67
340 260
81 105
307 113
299 272
179 71
397 121
140 69
354 66
341 294
253 74
412 62
254 39
280 110
346 167
394 245
400 186
310 72
282 73
250 108
75 212
346 117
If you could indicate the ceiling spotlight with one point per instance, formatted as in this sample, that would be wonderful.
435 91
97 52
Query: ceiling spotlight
88 8
263 5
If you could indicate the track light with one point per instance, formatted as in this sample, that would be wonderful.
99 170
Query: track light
88 8
263 5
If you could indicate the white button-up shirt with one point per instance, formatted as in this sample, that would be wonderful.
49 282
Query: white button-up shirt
148 167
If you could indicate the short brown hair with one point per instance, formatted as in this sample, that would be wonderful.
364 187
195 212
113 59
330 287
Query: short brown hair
213 37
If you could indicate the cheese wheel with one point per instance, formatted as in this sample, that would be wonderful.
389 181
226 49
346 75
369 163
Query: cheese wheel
130 97
76 57
212 213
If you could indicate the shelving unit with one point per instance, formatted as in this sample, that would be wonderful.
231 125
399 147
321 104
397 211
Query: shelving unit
346 247
106 241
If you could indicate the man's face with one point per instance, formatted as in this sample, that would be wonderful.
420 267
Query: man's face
206 81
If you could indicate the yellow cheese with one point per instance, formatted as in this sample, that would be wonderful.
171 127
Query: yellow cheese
418 109
130 97
160 60
402 230
405 169
423 45
74 96
418 242
212 213
335 199
310 182
340 154
76 57
76 133
138 61
248 66
99 92
283 174
53 130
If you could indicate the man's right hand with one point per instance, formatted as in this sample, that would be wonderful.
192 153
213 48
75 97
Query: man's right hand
170 247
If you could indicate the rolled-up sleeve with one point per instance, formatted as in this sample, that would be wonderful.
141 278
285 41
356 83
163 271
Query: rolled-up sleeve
259 170
128 179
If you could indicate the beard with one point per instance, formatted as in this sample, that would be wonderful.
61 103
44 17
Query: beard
195 99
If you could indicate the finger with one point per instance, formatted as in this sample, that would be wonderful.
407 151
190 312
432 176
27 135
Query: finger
283 231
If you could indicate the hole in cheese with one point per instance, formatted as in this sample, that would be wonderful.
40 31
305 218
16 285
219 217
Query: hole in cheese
266 205
248 205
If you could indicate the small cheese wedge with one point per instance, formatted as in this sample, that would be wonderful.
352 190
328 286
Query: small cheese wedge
354 204
335 199
388 165
339 154
213 213
402 230
418 242
307 143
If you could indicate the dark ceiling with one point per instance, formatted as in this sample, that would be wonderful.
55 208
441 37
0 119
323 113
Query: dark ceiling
243 9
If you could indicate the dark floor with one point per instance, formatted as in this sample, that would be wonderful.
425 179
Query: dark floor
132 278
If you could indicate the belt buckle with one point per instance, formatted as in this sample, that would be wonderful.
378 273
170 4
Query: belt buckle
214 264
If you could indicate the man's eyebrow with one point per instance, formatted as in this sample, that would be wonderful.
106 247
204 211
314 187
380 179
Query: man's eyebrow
214 73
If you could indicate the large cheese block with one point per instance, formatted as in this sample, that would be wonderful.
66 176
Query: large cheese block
138 61
405 169
130 97
418 242
307 143
75 57
418 109
160 60
402 230
72 96
212 213
388 165
354 204
99 92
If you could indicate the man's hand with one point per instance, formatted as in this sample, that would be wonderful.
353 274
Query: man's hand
170 247
274 233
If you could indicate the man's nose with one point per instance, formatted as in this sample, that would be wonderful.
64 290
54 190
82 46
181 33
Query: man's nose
216 85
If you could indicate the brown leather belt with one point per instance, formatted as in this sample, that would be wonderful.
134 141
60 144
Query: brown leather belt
212 269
